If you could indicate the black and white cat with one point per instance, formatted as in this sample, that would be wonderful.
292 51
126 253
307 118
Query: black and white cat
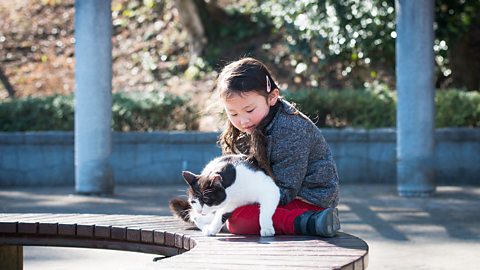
226 183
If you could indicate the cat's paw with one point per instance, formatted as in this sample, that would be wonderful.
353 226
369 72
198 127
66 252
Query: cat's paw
268 231
209 230
201 221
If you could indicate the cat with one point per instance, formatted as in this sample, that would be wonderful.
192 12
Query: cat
227 182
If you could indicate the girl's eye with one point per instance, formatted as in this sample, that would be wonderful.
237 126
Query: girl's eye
249 111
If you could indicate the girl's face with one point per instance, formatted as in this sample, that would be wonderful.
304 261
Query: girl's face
247 110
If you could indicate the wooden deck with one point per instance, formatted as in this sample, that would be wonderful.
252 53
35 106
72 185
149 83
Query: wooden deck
185 247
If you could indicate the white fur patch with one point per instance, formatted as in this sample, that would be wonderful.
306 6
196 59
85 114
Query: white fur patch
249 187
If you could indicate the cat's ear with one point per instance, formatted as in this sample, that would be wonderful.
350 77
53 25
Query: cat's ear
217 177
189 177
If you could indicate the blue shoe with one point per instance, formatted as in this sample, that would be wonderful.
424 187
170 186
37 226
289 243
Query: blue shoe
323 223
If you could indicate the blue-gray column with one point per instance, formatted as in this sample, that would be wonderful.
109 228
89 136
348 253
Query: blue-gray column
93 96
415 91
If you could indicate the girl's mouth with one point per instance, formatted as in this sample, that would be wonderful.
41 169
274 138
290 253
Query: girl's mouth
250 128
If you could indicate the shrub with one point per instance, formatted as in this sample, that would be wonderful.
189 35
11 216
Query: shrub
162 111
457 109
353 108
152 111
377 108
34 114
130 112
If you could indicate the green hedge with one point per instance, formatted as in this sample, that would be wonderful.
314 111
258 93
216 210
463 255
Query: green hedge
34 114
130 112
160 111
153 111
457 109
373 109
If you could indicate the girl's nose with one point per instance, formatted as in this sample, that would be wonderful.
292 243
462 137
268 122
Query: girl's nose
244 120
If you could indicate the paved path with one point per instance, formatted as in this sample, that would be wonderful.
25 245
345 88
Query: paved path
442 232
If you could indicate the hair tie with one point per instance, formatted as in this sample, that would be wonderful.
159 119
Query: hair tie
269 87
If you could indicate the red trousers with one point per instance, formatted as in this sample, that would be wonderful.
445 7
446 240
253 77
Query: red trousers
245 219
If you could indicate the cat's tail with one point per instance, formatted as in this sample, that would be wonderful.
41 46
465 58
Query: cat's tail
181 208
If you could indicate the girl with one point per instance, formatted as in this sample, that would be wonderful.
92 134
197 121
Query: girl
286 144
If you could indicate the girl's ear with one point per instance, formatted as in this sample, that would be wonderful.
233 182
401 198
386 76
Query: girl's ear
273 97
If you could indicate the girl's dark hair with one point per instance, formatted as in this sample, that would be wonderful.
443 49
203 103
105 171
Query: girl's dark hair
237 78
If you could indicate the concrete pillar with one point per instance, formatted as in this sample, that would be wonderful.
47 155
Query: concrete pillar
415 92
93 96
11 257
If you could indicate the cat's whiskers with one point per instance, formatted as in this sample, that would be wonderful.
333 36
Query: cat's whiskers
207 192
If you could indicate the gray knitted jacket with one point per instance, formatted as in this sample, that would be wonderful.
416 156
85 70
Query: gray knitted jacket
301 159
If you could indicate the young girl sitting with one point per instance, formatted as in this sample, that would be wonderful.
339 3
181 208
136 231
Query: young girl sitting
286 144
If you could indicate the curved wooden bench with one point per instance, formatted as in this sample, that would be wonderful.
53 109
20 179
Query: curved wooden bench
169 237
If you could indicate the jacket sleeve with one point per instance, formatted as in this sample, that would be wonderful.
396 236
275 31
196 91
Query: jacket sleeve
289 161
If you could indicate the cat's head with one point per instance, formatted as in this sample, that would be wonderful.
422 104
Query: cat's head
206 192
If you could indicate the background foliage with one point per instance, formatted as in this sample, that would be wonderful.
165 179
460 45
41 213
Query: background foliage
376 108
350 43
308 44
130 112
157 111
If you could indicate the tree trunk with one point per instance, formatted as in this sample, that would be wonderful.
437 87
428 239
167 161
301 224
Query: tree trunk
6 84
191 20
464 57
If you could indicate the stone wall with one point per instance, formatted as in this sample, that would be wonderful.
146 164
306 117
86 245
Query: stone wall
362 156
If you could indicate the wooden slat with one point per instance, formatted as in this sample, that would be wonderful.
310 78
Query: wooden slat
146 236
102 231
263 251
169 239
164 264
67 229
84 230
193 243
186 243
8 227
28 228
119 233
48 228
179 240
133 235
159 237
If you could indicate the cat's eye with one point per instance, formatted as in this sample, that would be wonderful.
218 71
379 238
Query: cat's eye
192 202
